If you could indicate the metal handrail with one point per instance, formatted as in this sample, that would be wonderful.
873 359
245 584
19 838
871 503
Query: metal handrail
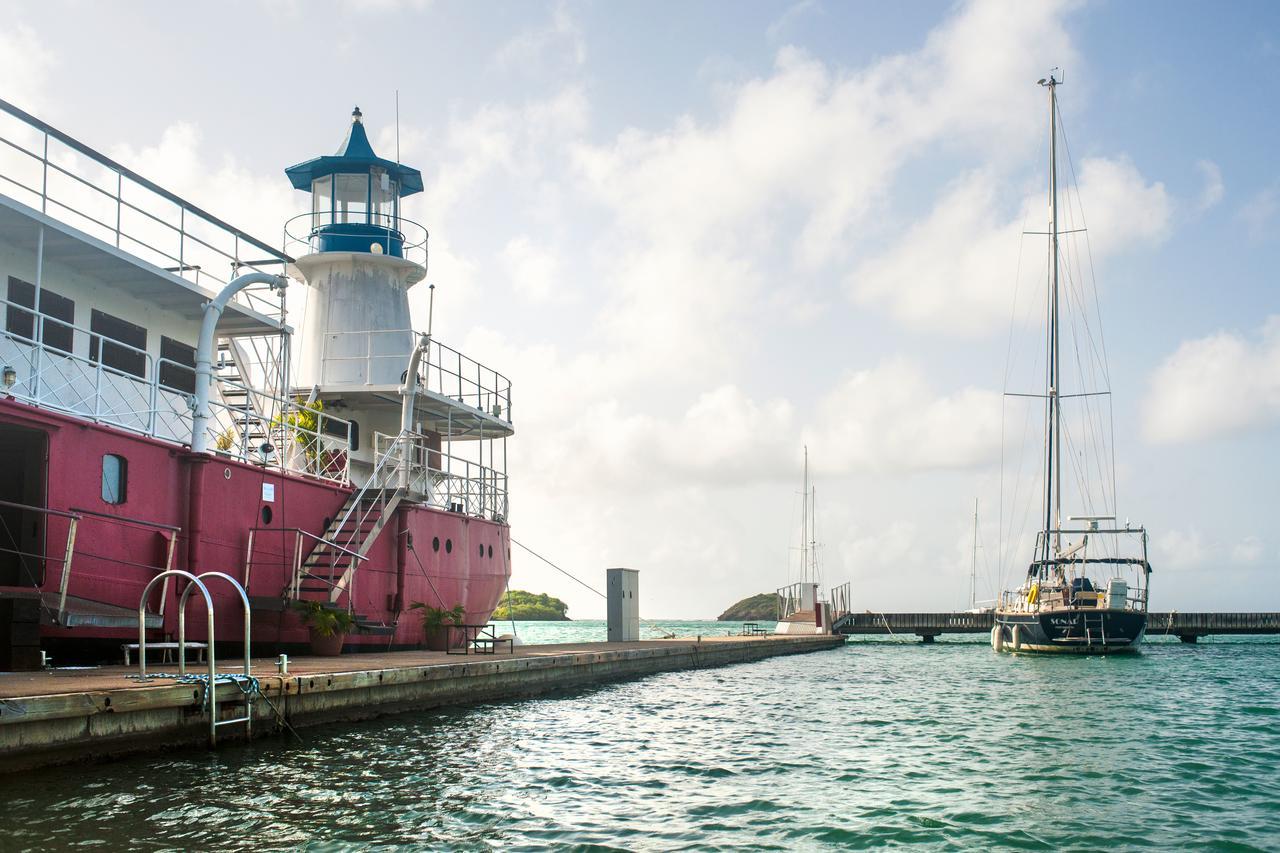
68 550
413 241
50 379
42 509
462 379
123 173
124 519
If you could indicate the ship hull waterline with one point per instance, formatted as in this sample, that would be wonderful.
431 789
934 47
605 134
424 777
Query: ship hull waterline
1070 632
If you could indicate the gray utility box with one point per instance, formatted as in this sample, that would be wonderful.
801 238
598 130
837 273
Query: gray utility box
624 605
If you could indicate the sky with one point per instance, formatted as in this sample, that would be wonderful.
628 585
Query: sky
699 237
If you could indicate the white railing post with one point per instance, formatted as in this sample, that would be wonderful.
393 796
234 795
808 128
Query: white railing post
44 183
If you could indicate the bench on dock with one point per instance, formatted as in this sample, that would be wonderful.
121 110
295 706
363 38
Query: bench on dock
754 629
167 648
481 640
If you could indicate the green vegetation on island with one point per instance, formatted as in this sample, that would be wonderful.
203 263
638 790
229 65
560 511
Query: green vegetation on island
755 608
530 607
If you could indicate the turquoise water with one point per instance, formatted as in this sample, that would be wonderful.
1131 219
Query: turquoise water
881 743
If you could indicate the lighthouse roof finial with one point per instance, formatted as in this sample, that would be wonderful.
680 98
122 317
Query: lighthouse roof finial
354 155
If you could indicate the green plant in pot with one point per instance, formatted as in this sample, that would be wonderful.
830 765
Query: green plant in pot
328 627
436 623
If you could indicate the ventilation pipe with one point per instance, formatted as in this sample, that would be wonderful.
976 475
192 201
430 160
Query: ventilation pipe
204 351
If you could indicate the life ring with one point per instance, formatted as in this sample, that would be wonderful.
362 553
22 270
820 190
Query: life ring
997 639
1034 594
1017 638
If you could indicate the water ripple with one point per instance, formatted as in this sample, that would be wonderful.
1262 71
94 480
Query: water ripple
880 744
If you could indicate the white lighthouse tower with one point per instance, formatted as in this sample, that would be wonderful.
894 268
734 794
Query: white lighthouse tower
360 356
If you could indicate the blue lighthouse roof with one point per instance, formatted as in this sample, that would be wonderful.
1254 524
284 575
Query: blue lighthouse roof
355 155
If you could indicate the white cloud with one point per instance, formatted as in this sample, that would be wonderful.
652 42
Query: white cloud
25 64
1259 212
1247 551
560 42
1217 385
954 270
793 13
1213 189
1178 549
533 269
888 418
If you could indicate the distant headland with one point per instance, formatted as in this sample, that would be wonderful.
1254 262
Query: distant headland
753 608
531 607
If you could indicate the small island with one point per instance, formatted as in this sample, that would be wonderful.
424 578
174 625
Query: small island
755 608
531 607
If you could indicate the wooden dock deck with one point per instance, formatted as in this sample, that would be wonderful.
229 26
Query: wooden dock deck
1187 626
61 716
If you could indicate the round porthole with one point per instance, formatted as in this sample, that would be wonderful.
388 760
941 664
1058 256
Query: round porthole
266 515
490 552
226 473
481 550
448 546
435 543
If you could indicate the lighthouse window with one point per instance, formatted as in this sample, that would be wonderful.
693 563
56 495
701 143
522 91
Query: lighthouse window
118 343
115 478
382 196
57 335
352 197
322 201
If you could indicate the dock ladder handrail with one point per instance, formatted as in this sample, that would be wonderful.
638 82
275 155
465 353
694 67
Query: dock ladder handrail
212 675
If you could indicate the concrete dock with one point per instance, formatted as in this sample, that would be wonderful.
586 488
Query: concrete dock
61 716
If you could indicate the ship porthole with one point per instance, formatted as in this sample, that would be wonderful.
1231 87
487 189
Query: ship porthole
448 546
481 550
490 552
226 473
435 543
266 515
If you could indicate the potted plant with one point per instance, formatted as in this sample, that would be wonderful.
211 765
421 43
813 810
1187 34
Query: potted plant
436 623
328 627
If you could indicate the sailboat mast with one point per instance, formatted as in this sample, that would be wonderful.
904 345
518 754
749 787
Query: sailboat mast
973 568
1053 444
804 522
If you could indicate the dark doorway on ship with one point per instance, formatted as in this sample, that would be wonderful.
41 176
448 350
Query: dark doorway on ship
23 463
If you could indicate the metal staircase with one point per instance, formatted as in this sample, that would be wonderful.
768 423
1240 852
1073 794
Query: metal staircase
331 566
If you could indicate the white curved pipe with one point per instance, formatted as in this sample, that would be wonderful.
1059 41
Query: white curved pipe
409 390
204 351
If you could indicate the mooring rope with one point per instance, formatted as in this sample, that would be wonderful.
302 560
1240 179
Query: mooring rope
666 635
248 684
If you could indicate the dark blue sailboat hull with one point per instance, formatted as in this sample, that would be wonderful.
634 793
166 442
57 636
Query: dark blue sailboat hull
1085 631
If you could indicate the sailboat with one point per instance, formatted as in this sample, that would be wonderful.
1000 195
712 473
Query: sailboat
801 609
1081 592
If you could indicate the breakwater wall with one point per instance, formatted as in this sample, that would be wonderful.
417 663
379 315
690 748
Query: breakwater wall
51 718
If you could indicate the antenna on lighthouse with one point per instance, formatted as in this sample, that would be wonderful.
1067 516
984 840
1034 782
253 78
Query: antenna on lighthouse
397 126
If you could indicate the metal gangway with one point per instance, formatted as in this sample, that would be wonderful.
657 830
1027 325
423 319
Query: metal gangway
247 683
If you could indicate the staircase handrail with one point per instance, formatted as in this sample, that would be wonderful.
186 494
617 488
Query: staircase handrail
355 502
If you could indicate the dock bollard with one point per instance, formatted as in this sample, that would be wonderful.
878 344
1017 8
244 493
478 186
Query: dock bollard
282 664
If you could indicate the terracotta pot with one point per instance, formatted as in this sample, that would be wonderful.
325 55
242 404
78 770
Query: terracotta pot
437 639
327 647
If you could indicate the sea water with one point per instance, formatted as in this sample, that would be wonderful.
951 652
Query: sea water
881 743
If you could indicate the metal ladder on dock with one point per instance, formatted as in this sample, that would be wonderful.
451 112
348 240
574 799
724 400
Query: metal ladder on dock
247 683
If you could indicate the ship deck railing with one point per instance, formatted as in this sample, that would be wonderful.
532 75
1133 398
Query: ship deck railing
147 399
71 182
440 479
380 357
